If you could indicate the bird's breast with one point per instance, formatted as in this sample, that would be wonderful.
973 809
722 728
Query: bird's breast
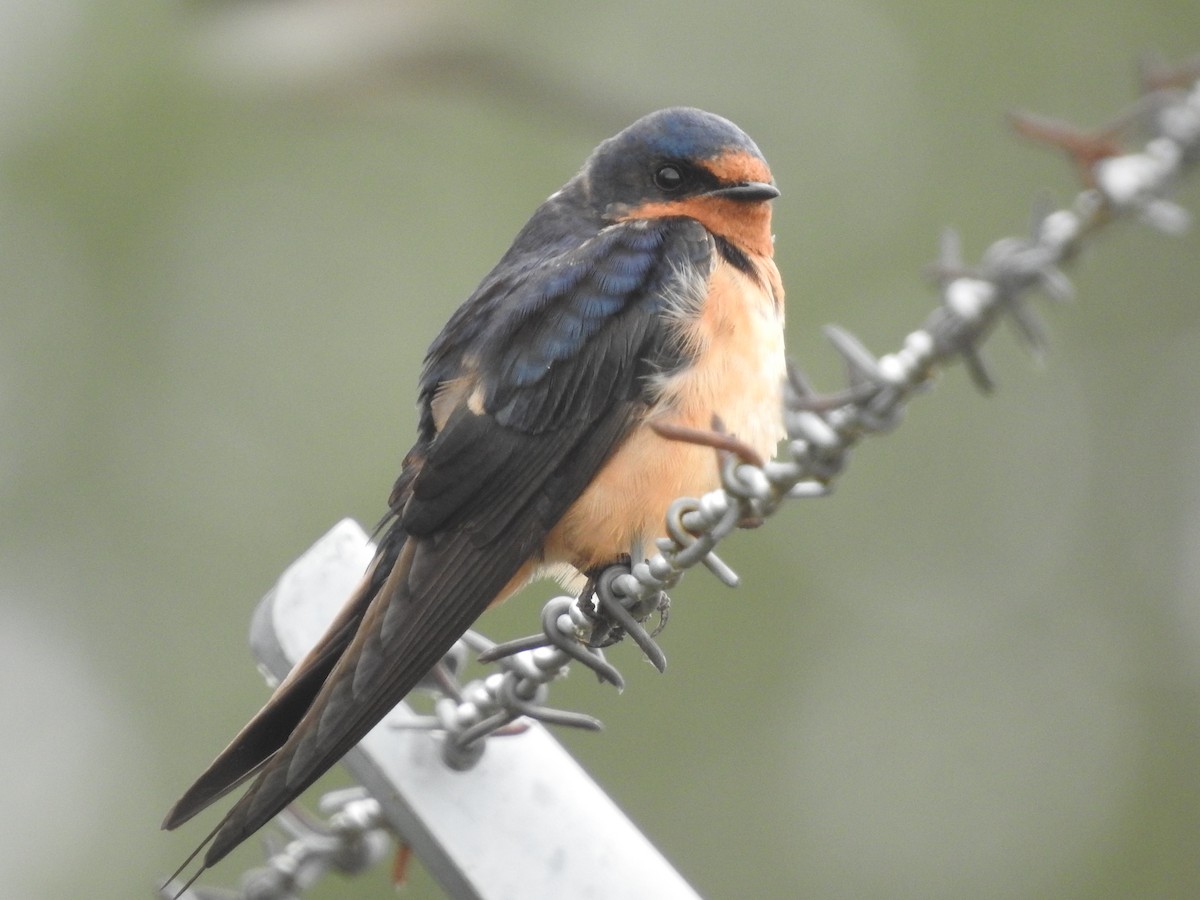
734 337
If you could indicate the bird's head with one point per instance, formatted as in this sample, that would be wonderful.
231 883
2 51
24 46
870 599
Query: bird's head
685 162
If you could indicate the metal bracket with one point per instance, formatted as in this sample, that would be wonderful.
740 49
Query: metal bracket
526 821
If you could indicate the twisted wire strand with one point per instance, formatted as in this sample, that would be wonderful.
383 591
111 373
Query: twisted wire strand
821 431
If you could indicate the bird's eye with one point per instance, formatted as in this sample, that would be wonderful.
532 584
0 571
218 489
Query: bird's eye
668 178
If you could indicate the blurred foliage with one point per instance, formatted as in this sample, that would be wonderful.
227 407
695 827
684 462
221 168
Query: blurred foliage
227 233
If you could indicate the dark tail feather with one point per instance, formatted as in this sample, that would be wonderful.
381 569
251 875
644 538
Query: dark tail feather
263 735
254 744
433 593
269 729
187 862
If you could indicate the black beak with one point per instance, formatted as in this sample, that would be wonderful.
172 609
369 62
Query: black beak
749 192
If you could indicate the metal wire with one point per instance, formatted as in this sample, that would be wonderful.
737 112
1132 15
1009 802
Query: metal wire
821 431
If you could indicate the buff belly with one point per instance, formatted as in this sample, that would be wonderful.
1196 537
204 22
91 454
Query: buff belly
737 375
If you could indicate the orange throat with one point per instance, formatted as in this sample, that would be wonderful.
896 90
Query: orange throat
745 225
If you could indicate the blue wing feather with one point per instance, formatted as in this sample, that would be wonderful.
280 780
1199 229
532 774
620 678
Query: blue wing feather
575 340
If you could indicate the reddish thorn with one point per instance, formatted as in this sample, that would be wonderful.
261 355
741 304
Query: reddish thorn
1085 148
400 865
718 440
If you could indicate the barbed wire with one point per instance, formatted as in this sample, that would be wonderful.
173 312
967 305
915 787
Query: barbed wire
352 839
821 432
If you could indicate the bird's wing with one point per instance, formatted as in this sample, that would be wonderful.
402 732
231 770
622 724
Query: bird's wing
547 382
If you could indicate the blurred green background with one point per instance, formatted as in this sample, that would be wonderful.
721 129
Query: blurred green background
229 230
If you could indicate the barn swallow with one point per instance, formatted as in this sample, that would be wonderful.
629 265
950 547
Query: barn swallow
642 292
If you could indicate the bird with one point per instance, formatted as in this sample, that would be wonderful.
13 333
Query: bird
643 293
